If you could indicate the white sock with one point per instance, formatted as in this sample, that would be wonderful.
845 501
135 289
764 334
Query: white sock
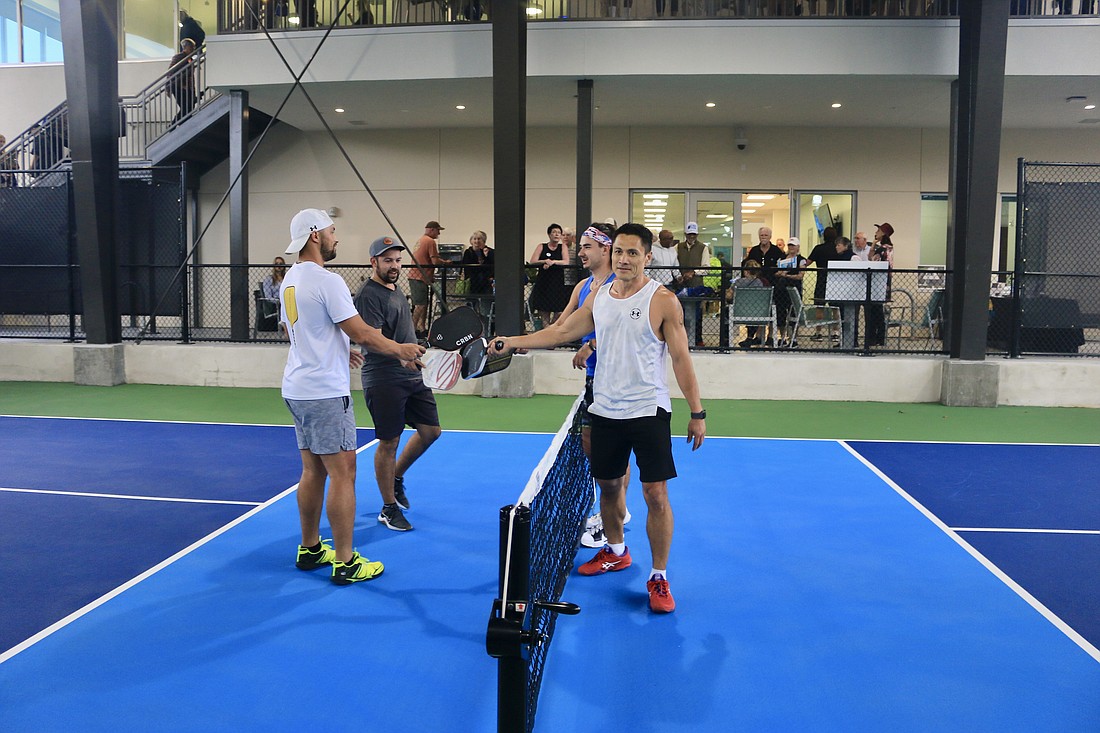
617 547
655 574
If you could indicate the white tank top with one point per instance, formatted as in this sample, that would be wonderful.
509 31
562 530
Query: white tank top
630 371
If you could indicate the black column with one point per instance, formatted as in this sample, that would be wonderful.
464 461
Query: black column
89 37
240 294
585 150
509 160
975 157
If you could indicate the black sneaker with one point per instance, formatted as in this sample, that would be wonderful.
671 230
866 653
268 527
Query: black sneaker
399 493
392 517
356 569
310 560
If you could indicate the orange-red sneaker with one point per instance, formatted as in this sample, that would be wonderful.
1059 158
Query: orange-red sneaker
660 597
605 561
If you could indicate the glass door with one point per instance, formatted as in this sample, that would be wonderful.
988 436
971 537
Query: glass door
718 214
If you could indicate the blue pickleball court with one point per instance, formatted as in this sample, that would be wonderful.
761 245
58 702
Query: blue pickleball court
813 594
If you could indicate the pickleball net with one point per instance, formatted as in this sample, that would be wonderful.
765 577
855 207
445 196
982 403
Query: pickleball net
539 535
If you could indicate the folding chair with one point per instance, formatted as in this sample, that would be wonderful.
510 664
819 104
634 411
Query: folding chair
816 316
752 307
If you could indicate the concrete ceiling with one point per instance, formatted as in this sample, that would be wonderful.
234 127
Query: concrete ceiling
749 100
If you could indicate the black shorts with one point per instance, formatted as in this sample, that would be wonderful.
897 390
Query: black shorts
393 406
649 437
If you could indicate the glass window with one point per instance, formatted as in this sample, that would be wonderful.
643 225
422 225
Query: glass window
762 209
819 210
933 229
41 31
9 32
659 210
150 29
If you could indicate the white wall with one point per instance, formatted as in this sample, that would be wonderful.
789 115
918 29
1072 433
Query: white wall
427 174
32 90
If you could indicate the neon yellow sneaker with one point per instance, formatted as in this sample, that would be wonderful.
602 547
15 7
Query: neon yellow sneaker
358 568
311 560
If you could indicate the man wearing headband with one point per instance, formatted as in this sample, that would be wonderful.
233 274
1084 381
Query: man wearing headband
594 253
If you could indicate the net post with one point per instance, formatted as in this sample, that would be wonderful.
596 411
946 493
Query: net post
505 638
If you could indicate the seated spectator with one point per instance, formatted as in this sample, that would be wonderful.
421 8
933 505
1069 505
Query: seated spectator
271 284
478 268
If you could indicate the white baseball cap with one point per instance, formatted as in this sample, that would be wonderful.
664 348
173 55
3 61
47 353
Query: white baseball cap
795 241
691 228
304 223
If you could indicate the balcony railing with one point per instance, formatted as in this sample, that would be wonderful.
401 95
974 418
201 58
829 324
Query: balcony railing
39 153
248 16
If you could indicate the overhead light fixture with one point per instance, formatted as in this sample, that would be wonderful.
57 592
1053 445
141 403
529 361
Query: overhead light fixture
293 20
655 195
836 105
1090 106
534 9
711 104
460 106
339 110
716 216
760 196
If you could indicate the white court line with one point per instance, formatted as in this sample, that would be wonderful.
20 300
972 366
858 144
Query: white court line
1025 530
166 422
128 496
1031 600
28 643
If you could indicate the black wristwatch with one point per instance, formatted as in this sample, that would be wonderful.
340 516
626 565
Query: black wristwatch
701 415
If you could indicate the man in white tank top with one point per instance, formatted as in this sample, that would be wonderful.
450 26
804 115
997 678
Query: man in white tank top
637 322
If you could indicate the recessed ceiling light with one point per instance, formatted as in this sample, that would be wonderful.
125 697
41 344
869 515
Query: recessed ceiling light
760 196
655 195
711 104
1090 106
460 106
339 110
836 105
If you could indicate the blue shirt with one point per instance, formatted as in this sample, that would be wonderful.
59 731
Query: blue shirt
586 289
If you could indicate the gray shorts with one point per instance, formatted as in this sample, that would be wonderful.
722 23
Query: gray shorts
324 427
418 290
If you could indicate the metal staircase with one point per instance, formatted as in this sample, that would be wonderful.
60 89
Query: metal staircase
176 118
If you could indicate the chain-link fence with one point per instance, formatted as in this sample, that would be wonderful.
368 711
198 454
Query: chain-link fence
1053 303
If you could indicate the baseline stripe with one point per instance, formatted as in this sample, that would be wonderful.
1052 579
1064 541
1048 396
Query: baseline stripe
129 496
1024 530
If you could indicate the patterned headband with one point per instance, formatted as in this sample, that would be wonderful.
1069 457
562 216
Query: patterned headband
594 233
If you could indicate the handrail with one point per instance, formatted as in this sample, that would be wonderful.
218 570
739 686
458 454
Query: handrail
30 157
248 16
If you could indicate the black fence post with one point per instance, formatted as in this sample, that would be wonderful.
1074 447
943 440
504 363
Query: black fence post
1018 266
505 639
185 300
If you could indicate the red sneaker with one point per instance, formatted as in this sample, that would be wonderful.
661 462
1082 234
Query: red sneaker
604 561
660 597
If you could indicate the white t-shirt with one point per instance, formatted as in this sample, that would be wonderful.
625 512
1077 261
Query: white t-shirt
664 257
313 301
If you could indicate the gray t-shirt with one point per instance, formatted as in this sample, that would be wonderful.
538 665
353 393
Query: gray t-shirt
387 310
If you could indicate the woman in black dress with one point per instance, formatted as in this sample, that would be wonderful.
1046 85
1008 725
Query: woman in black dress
549 296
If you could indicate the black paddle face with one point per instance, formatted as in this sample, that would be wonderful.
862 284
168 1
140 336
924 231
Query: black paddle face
455 329
473 358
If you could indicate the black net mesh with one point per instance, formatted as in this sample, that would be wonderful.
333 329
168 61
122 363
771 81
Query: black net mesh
558 513
1055 301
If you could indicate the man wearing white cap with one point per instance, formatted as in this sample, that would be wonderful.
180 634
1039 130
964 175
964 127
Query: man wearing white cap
692 254
319 317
